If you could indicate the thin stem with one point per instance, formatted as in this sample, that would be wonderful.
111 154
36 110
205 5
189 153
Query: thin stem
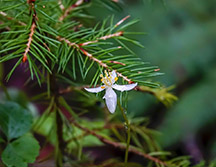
29 42
127 127
117 34
128 144
32 30
121 21
59 126
11 18
68 10
61 5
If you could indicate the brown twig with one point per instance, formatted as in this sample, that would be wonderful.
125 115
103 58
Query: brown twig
117 34
163 95
61 5
46 47
67 90
29 42
11 18
32 30
137 88
148 90
77 28
116 62
119 145
67 42
68 10
93 58
124 77
121 21
106 126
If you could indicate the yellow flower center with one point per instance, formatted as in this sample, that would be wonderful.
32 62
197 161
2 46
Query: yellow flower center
107 79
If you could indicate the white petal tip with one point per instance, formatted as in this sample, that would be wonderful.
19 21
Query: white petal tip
124 87
112 111
94 90
133 85
88 89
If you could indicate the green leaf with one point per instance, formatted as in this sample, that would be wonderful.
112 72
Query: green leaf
21 152
14 120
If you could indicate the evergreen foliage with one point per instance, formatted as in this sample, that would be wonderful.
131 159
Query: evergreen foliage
59 44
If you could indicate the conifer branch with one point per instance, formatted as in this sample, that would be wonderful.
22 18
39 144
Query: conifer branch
29 42
117 34
124 77
67 42
121 21
162 94
32 30
117 62
11 18
120 33
93 58
120 145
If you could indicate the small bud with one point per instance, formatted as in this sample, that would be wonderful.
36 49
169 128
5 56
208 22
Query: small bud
158 69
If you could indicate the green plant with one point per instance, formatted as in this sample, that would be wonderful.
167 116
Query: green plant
62 48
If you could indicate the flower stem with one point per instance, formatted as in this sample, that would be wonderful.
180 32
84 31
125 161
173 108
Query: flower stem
127 127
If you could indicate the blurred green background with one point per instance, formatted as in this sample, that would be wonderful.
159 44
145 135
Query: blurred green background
181 40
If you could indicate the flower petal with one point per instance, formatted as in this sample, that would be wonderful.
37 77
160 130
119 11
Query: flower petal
111 99
113 74
95 90
124 87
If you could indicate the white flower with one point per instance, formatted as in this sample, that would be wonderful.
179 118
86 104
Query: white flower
110 95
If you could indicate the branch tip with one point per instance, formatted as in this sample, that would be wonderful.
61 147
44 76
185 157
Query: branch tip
61 5
117 62
68 10
158 69
121 21
29 42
